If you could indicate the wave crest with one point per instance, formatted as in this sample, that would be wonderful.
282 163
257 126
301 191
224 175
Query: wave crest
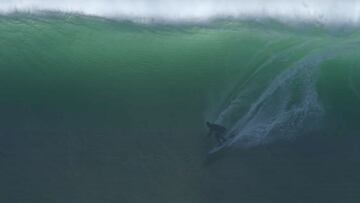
321 11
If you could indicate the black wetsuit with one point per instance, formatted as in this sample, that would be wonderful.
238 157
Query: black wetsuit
217 131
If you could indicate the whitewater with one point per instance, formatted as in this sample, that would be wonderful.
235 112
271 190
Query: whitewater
320 11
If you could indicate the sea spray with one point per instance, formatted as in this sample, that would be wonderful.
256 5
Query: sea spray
322 11
282 109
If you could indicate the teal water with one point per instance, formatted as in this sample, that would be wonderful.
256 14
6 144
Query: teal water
95 110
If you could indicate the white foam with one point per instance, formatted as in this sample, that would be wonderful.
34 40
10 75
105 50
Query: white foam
320 11
273 111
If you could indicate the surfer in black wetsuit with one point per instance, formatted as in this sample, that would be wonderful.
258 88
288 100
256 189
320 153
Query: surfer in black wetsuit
217 131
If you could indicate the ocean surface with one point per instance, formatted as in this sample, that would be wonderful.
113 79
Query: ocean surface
109 105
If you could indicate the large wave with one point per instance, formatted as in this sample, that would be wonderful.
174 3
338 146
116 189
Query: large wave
320 11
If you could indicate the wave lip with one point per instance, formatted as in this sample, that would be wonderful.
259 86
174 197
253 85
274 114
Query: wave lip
321 11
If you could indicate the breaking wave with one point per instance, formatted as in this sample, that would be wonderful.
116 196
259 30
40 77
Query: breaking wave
321 11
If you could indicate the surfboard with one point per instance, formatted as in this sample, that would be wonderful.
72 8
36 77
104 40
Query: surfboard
221 147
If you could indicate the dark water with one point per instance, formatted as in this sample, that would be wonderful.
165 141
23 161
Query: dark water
94 110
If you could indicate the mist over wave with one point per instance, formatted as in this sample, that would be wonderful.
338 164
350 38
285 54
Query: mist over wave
320 11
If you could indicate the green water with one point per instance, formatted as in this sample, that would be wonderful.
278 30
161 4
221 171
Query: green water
95 110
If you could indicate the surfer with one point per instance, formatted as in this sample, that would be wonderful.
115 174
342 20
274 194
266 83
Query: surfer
217 131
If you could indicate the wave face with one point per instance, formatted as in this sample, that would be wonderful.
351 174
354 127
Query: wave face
280 77
97 110
321 11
